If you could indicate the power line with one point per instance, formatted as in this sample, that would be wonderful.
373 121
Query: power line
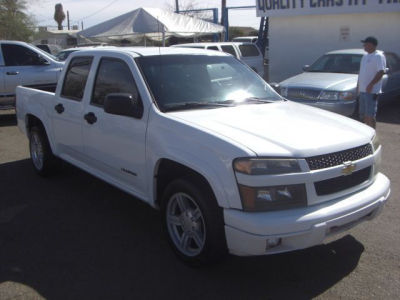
100 10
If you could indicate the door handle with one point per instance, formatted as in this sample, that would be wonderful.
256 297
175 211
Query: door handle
90 118
12 73
59 108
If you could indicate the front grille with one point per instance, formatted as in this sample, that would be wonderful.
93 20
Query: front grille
338 184
303 93
338 158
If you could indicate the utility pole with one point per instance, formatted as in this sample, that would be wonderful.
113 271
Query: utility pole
68 20
223 8
177 6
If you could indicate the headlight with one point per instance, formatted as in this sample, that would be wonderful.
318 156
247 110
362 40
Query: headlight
335 95
265 166
375 142
273 197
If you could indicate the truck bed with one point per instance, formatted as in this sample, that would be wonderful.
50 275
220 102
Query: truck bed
40 99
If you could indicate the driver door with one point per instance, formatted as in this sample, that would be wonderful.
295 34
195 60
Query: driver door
115 144
23 66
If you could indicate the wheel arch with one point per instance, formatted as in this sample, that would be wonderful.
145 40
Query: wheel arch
167 170
33 121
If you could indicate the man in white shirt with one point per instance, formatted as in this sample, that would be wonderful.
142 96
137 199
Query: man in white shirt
372 68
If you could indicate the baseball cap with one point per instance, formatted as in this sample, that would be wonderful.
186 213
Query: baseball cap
371 40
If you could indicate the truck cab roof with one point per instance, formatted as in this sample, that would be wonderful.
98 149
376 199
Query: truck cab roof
151 51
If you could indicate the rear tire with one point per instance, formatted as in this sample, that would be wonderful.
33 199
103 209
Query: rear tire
193 222
43 160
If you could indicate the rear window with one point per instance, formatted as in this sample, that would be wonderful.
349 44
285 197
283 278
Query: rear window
229 49
249 50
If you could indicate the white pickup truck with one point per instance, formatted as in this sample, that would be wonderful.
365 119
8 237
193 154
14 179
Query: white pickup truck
24 64
232 165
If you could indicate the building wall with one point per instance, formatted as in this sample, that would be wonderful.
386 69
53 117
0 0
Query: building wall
300 40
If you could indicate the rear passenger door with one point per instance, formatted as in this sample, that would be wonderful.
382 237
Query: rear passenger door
68 109
115 144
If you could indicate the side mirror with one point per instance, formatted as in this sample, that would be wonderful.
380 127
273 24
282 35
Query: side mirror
40 61
306 68
123 105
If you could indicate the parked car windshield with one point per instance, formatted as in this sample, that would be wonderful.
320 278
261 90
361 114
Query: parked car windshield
45 52
337 63
180 82
63 55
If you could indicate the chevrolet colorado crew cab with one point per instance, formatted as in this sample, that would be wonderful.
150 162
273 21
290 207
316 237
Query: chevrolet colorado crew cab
232 165
25 64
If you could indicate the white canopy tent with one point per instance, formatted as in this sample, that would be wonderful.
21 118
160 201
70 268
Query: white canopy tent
152 23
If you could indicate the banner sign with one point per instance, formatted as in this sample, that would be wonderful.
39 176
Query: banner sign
275 8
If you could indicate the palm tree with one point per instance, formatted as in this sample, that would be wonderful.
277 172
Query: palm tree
59 15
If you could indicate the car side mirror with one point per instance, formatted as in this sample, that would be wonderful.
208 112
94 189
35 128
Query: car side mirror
40 61
122 104
306 68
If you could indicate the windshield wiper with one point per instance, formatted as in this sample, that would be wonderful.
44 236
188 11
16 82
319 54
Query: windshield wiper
253 100
193 105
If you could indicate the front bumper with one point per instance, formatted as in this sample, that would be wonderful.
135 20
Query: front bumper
247 233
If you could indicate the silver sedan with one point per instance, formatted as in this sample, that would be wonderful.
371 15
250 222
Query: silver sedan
330 83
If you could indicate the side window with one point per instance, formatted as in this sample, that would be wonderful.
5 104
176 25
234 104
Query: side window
229 49
17 55
113 76
212 48
393 63
76 77
249 50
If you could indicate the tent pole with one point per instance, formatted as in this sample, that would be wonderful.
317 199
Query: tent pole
163 36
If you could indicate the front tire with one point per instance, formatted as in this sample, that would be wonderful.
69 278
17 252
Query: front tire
193 222
43 160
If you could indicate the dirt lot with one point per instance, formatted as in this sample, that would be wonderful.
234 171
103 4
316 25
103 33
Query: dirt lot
74 237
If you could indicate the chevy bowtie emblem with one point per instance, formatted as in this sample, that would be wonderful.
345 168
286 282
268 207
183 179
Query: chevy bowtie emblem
348 168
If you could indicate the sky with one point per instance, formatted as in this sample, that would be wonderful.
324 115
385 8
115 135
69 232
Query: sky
92 12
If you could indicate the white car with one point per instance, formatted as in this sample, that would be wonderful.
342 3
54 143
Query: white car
244 51
249 39
231 164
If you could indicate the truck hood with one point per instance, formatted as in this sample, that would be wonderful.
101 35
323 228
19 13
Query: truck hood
283 128
322 81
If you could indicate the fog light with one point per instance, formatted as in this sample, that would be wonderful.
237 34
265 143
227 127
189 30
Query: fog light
273 242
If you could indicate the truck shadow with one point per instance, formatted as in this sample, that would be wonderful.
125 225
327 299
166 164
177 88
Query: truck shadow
389 112
72 236
8 119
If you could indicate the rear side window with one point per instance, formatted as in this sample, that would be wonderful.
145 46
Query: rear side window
76 77
212 48
113 76
17 55
249 50
229 49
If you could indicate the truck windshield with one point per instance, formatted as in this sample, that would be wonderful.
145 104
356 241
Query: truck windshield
337 63
183 82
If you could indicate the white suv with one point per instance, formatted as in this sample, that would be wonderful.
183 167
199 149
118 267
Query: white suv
246 52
